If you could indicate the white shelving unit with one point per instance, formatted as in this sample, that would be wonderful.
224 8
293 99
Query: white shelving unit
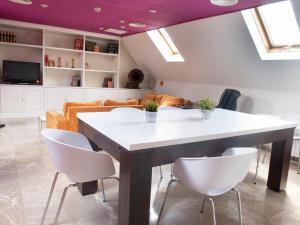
34 42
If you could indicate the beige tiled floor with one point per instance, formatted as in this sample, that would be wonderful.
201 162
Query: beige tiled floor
26 175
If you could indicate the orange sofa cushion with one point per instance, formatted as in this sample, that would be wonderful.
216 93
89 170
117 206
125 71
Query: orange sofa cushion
153 97
168 100
110 102
76 104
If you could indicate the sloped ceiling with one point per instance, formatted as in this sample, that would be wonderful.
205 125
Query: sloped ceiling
218 51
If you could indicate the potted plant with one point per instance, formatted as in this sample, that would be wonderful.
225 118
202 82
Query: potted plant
151 111
206 106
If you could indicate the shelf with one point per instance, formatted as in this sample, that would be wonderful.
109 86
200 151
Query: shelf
21 45
63 68
101 71
101 53
64 49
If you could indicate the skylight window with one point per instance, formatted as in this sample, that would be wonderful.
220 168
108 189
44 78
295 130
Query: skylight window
165 45
274 30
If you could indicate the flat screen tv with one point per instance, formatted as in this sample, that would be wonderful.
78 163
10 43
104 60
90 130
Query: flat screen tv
21 72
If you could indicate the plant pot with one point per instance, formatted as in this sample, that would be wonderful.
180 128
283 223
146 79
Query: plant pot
206 114
151 117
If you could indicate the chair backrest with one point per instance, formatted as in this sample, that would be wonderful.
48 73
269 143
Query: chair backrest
228 99
164 107
125 109
73 155
215 173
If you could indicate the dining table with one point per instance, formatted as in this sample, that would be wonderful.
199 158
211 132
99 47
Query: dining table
139 146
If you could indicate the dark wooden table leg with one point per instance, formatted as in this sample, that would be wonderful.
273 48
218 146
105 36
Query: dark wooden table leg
135 188
280 162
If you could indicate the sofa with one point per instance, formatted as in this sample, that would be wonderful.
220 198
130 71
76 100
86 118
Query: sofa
166 100
68 120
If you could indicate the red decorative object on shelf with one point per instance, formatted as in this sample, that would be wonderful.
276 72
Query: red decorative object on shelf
46 60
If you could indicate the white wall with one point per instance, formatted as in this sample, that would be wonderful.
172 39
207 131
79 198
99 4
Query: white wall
220 53
127 63
217 51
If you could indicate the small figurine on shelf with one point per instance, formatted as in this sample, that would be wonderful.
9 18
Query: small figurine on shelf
73 63
86 65
58 62
78 44
46 60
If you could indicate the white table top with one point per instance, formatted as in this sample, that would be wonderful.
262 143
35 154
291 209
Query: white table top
130 130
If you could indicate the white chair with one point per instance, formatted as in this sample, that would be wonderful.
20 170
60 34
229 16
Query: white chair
125 109
213 176
73 156
165 107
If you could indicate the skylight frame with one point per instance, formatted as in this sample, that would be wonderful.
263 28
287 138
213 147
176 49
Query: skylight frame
165 45
267 35
259 33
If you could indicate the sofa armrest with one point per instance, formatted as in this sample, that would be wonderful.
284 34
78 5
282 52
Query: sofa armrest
56 120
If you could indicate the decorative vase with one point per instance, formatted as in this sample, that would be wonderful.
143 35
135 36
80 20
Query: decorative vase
206 114
151 117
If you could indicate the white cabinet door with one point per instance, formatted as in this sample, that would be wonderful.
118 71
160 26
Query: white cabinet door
10 99
32 99
74 95
54 98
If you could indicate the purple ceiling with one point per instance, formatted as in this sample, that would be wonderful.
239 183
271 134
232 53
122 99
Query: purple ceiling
79 14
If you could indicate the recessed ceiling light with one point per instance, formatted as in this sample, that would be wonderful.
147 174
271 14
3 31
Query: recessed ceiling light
122 21
101 28
44 5
97 9
137 24
123 27
115 31
24 2
224 2
152 11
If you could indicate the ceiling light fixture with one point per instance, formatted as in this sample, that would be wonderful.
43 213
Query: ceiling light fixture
23 2
137 25
123 27
224 2
122 21
97 9
152 11
101 28
115 31
44 6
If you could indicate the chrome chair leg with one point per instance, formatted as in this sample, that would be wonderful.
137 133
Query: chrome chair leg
103 191
240 204
165 199
161 174
257 163
203 203
263 161
171 166
213 210
298 168
62 202
49 197
102 184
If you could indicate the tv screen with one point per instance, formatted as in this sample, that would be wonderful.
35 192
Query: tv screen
21 72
